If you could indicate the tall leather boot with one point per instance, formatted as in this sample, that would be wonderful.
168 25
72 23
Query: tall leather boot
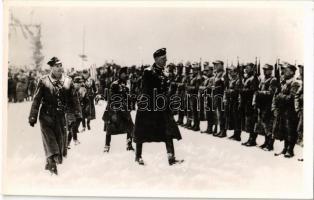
270 145
265 142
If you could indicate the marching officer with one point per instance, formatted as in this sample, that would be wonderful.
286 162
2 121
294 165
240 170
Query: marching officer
151 124
262 101
117 115
54 96
284 109
250 86
217 95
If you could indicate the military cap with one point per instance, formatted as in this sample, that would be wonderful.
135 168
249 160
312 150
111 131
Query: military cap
288 65
301 66
85 71
171 66
188 64
180 65
250 64
206 63
77 79
160 52
218 62
268 67
195 65
53 61
123 70
206 67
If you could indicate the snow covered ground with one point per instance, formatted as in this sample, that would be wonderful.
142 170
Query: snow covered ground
213 167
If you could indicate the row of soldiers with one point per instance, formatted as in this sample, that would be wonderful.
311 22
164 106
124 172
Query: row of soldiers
240 99
21 85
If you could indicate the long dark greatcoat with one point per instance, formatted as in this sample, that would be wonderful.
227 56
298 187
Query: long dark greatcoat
54 97
117 115
154 125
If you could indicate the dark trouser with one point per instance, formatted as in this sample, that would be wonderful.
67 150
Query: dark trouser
84 122
128 138
73 130
169 147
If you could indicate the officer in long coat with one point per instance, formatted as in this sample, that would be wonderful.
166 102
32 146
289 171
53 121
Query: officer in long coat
262 101
299 106
53 95
154 121
250 86
117 116
284 110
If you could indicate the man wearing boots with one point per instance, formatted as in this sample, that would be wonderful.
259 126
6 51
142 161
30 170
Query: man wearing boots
117 115
284 110
193 97
262 101
250 86
299 108
218 92
207 88
54 95
233 120
154 121
89 105
180 92
187 103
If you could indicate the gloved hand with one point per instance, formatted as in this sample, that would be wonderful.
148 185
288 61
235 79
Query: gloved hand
32 121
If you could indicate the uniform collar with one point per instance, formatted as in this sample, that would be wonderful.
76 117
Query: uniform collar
53 80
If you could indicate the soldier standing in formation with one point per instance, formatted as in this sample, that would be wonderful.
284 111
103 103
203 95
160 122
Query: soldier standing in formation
54 95
299 108
151 124
217 96
180 92
193 97
250 86
262 101
284 110
233 119
117 115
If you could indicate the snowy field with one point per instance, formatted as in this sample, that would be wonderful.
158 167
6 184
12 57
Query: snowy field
213 166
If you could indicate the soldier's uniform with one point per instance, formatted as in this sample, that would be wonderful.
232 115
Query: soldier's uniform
299 107
88 108
250 86
179 80
187 81
73 119
54 97
217 95
233 118
155 125
193 89
117 117
133 86
206 92
283 107
262 100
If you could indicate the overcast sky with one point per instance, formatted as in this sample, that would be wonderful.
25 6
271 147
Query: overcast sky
130 35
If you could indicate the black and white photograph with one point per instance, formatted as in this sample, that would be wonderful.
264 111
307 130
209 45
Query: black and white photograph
178 99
